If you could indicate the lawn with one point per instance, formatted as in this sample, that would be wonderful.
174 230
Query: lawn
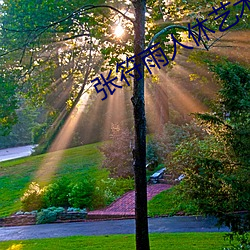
170 202
16 175
170 241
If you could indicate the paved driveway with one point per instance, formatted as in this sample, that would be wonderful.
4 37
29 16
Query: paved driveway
14 153
156 225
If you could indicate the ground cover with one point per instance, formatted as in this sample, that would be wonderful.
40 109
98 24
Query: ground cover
170 241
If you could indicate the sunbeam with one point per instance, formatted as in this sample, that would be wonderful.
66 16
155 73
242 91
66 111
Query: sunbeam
51 161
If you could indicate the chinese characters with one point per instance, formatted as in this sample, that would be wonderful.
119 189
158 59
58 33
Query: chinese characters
154 56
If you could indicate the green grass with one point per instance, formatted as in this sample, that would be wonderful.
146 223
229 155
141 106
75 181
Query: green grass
16 175
170 241
169 203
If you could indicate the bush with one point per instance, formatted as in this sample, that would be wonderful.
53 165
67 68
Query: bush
33 198
48 215
166 141
109 189
57 193
38 131
103 194
243 242
152 155
81 194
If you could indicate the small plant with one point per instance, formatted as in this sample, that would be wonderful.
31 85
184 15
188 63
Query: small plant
33 197
57 193
109 189
48 215
81 194
243 242
76 210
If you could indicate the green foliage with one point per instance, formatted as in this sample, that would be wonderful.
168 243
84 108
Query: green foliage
166 141
118 153
108 190
8 104
216 168
22 132
32 198
103 193
81 194
92 192
152 156
48 215
56 194
38 131
242 241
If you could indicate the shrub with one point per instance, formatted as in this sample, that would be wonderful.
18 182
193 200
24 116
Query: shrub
166 141
152 155
243 242
56 194
81 194
103 195
109 189
33 197
73 209
48 215
123 185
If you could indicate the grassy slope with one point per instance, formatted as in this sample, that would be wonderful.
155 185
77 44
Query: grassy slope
169 203
173 241
16 175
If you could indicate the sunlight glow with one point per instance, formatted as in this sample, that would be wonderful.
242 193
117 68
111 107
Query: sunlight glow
119 31
52 159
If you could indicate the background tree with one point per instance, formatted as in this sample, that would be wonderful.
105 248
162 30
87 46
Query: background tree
216 168
118 155
8 105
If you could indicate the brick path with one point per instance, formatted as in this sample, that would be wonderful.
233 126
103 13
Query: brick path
124 207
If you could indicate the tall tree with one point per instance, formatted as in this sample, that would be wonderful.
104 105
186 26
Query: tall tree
139 151
71 25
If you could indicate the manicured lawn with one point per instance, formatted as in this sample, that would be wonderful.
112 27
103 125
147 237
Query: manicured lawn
173 241
16 175
169 202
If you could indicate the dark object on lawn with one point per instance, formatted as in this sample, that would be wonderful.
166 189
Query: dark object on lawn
155 177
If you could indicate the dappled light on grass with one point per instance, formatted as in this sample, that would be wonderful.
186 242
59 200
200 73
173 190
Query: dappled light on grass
51 161
15 247
158 241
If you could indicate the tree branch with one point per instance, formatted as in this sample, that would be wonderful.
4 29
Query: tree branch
166 29
217 39
42 29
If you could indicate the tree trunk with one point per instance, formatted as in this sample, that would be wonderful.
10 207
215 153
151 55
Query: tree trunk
139 151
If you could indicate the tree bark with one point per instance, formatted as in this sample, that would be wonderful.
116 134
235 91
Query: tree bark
139 151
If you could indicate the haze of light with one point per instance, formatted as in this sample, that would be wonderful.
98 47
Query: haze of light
119 31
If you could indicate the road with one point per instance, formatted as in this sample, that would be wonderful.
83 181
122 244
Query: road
14 153
156 225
